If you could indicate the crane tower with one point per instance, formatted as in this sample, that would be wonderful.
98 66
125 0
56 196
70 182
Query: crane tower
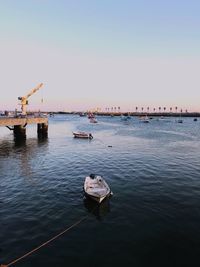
24 99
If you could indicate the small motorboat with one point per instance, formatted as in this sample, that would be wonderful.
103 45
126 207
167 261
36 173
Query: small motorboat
93 120
82 114
96 188
83 135
163 119
90 115
144 119
125 117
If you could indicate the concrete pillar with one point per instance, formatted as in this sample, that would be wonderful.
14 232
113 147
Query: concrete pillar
42 130
19 132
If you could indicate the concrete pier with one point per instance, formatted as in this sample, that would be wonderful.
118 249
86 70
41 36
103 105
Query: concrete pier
42 130
19 131
18 125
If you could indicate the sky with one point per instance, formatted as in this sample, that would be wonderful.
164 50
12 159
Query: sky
100 54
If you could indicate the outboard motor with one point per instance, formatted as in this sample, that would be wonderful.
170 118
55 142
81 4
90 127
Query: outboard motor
92 175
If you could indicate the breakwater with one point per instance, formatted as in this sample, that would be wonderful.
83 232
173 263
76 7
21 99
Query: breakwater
153 114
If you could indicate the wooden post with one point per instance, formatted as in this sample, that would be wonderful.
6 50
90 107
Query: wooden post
42 130
19 132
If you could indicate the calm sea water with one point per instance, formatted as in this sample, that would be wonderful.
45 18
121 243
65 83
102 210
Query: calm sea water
153 218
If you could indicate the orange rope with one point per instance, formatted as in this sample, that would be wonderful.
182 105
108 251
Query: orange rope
44 244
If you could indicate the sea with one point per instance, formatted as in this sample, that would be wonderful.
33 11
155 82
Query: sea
152 219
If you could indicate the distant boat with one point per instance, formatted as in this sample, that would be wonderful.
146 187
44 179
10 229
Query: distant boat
91 115
125 117
144 119
163 119
82 114
179 120
195 119
93 120
96 188
83 135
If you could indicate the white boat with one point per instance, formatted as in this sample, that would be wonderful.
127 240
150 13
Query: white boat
144 119
163 119
82 135
82 114
96 188
125 117
93 120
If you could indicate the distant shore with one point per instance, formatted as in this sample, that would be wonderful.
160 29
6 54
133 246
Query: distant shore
150 114
111 114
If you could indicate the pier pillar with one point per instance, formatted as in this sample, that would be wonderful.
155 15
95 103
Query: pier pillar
42 130
19 132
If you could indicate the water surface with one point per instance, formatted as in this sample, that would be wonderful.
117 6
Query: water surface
152 219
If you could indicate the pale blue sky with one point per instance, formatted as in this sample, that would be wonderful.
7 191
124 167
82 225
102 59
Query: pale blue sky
100 53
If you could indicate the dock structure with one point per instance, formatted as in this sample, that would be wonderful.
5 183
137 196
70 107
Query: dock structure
18 125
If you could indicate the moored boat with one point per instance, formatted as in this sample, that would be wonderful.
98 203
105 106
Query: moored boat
164 119
96 188
124 118
82 114
144 119
90 115
180 121
83 135
93 120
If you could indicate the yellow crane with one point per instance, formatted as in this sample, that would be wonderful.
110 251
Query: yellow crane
24 99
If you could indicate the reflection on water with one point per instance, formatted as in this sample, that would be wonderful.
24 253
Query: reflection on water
5 148
24 151
98 210
42 139
19 142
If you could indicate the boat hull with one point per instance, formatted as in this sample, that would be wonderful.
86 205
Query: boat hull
92 120
83 135
96 199
96 188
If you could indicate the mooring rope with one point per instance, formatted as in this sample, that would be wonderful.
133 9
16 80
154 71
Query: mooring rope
102 142
45 243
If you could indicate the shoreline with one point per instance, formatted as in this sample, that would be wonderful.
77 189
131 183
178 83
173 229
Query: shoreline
111 114
136 114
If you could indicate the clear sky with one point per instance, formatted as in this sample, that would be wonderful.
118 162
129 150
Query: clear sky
104 53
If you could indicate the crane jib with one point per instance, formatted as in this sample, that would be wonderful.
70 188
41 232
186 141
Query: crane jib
24 101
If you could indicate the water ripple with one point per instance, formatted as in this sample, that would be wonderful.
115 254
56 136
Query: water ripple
152 169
